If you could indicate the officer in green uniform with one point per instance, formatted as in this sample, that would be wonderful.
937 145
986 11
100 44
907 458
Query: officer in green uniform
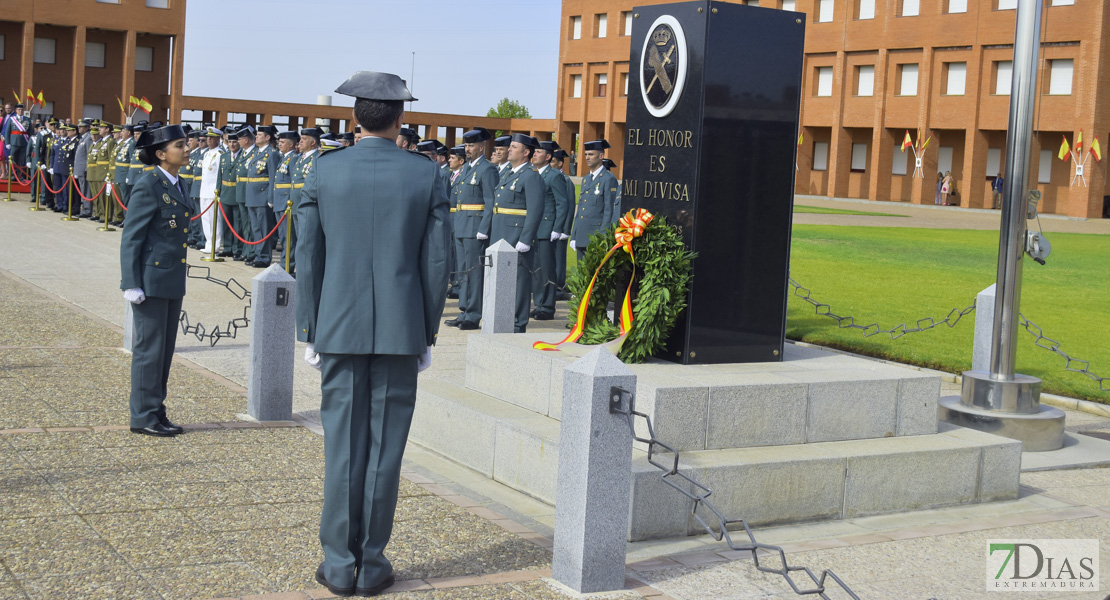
196 160
474 199
283 189
308 149
516 217
189 171
243 221
371 290
595 200
39 143
137 168
229 165
558 159
456 162
261 170
94 173
120 187
152 266
610 166
555 207
500 157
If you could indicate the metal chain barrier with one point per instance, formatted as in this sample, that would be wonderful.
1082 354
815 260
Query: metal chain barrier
715 523
233 326
1043 341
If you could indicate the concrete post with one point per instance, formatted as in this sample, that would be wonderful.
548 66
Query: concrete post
273 336
984 325
593 493
499 294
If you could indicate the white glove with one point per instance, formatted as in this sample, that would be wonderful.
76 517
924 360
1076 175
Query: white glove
554 236
522 247
28 165
424 360
134 295
563 236
572 246
311 357
50 170
270 204
108 187
482 236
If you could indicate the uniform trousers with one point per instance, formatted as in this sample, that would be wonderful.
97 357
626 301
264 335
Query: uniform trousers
526 263
457 274
83 185
243 226
561 263
61 199
470 295
123 190
209 220
543 282
232 243
366 409
262 221
155 326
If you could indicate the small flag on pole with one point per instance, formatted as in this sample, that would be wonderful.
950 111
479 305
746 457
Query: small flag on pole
907 142
30 97
120 104
1079 143
1096 150
1065 150
145 105
15 96
42 100
133 102
926 142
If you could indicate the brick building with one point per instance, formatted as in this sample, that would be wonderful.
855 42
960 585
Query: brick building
874 69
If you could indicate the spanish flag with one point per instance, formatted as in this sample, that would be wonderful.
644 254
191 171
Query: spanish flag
1095 150
145 105
1065 150
907 142
120 104
42 100
30 97
1079 143
133 101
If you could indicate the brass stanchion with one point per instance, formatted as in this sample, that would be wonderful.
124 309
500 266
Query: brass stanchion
36 189
69 209
107 203
215 215
9 198
288 232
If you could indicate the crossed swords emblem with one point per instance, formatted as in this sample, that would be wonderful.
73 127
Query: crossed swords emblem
659 64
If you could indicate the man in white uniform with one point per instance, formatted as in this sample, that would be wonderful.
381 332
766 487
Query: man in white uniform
209 182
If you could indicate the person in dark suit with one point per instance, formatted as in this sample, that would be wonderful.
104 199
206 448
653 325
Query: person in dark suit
478 182
558 158
555 207
596 200
152 265
372 283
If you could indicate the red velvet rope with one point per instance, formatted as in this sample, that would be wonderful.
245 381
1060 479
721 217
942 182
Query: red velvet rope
15 174
236 234
47 185
95 196
193 218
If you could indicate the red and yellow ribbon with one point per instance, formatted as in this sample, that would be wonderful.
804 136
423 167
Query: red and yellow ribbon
630 227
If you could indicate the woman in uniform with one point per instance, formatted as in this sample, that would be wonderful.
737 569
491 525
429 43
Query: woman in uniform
152 263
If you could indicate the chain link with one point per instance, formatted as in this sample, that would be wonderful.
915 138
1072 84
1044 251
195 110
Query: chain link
233 326
1043 341
714 522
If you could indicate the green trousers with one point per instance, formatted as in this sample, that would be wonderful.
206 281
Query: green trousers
155 324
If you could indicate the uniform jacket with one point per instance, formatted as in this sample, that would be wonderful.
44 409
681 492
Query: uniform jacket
152 250
102 155
40 143
478 186
595 206
188 173
14 136
372 257
81 157
137 167
522 190
123 160
555 203
300 172
260 176
568 218
228 166
283 180
246 157
64 151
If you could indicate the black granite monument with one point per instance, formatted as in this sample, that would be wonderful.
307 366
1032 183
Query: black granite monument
711 136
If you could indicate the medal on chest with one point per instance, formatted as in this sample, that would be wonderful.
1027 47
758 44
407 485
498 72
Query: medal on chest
512 188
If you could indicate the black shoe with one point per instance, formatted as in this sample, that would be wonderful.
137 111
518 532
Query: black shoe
377 589
225 253
259 265
156 429
338 591
249 262
452 295
168 424
452 322
561 295
237 258
468 326
520 329
543 316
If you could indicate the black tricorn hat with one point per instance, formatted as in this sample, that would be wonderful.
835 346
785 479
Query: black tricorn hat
459 151
312 132
502 141
267 129
409 133
478 134
527 140
551 146
153 137
596 145
349 136
560 154
246 131
371 85
609 164
288 135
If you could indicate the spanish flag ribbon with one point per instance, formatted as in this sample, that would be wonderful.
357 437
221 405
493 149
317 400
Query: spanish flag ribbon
1065 150
630 227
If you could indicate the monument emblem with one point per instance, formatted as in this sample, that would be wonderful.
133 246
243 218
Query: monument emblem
663 64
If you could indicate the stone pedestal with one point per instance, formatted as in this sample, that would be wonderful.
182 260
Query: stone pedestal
499 293
273 338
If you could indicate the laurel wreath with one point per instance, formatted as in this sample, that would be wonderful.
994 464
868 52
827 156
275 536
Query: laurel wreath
663 274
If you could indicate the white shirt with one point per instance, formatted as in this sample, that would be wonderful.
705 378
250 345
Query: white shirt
518 167
474 163
543 169
173 180
597 171
210 173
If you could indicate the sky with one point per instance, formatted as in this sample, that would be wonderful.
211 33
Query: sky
469 54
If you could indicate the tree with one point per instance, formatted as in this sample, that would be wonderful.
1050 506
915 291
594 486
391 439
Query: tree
508 109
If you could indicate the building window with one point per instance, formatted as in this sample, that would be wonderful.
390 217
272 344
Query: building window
994 162
955 74
158 3
108 1
788 4
93 111
602 83
901 160
865 9
944 159
824 81
626 18
1059 76
1007 5
1003 77
575 86
44 50
859 158
825 11
820 156
576 28
144 58
94 54
624 84
752 3
46 109
602 25
1044 167
957 6
911 8
1062 3
907 79
865 80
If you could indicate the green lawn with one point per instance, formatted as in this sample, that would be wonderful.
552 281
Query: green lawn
900 275
817 210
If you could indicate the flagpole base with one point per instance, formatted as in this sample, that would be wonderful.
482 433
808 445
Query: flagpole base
70 219
105 228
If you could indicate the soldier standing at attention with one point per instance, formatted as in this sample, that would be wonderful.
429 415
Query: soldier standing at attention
516 216
595 200
260 195
94 176
373 282
135 172
308 149
229 163
500 156
243 225
555 206
283 188
208 179
558 159
119 173
17 136
189 175
474 199
65 149
152 266
456 160
81 164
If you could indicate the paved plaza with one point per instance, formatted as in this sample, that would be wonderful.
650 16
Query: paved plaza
231 508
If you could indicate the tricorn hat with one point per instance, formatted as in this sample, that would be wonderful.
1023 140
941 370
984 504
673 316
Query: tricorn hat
153 137
312 132
371 85
527 140
478 134
599 145
503 141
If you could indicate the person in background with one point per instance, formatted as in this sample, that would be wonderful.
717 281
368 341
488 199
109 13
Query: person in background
996 191
946 188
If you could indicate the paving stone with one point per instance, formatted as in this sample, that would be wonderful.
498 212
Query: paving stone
101 585
201 582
